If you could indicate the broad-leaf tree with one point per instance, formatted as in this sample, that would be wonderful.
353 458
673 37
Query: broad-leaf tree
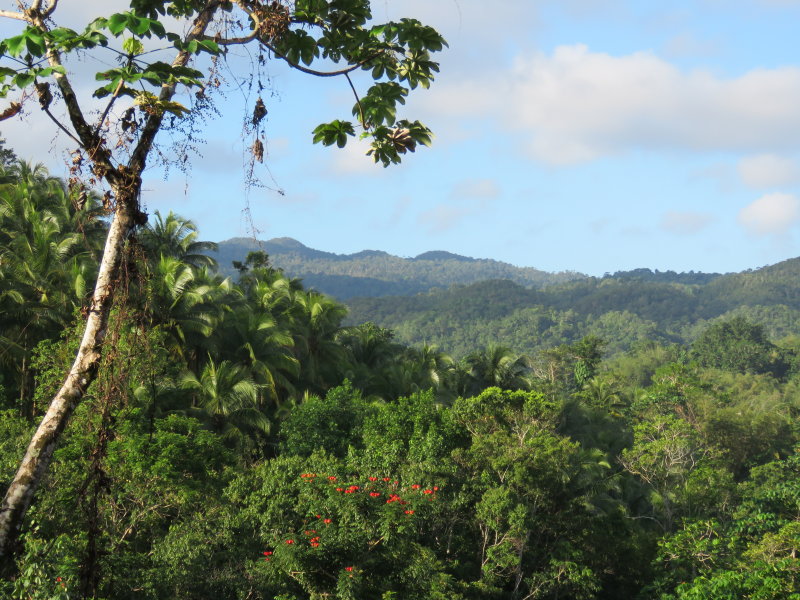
144 93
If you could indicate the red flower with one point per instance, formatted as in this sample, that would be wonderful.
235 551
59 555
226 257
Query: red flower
374 494
415 486
267 553
409 512
387 478
373 479
435 488
327 521
332 478
314 544
348 568
290 541
339 489
58 579
427 491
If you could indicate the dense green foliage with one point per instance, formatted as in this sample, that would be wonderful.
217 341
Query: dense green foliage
621 309
241 442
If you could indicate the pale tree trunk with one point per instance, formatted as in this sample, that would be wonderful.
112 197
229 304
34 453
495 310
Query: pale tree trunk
84 370
125 182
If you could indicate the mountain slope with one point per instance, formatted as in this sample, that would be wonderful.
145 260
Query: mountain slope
622 309
377 273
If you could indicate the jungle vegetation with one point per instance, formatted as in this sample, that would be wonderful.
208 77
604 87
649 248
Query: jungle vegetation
241 441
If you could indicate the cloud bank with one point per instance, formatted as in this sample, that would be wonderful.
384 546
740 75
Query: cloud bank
576 105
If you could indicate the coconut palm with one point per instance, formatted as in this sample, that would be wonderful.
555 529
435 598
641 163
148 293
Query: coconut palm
226 397
498 366
255 340
176 237
47 248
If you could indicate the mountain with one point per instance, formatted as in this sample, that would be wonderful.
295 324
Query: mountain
375 273
624 308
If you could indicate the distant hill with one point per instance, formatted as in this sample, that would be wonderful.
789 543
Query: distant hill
461 303
376 273
623 308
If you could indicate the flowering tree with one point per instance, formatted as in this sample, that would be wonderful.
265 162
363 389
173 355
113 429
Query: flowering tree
144 94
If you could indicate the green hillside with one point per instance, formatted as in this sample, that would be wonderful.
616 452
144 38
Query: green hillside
622 308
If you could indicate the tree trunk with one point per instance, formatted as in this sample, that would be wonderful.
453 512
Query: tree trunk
84 370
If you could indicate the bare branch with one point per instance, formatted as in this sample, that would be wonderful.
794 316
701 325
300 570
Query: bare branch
138 158
35 6
113 99
51 9
308 71
358 102
231 41
10 14
61 126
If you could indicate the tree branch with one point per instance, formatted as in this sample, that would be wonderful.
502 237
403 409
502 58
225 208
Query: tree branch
114 97
358 102
60 125
92 143
138 158
51 9
10 14
308 71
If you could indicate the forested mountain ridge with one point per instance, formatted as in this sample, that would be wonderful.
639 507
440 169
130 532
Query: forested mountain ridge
622 308
377 273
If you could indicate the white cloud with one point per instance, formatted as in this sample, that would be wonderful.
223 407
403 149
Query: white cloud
353 159
768 170
685 222
483 189
444 217
771 214
576 105
687 45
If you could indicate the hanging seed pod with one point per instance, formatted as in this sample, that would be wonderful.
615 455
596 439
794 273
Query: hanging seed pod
44 93
11 111
258 150
259 112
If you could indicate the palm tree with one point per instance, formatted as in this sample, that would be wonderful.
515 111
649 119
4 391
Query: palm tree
186 302
316 323
498 366
176 237
260 344
227 398
47 249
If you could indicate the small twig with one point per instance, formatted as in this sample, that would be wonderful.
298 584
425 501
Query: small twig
62 128
358 102
114 97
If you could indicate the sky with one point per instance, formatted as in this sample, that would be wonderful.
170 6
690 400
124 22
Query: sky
580 135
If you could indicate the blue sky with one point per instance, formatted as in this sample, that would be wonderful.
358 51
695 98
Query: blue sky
586 135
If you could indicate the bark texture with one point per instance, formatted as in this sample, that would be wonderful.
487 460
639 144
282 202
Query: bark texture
125 182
